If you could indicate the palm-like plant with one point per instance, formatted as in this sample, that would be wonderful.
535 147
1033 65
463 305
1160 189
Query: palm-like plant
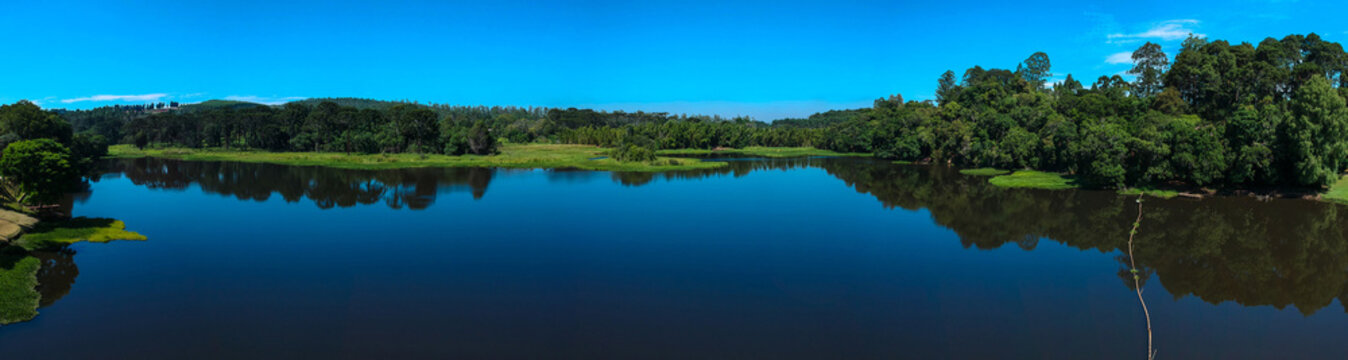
12 194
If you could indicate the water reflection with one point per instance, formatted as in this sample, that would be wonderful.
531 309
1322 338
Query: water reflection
327 187
56 275
1279 253
735 167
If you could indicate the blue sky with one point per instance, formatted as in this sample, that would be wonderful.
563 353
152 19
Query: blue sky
766 59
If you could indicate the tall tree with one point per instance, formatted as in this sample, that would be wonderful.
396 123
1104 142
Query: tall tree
480 140
1149 64
946 87
1315 138
1035 69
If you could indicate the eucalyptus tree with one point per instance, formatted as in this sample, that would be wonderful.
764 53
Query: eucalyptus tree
1149 63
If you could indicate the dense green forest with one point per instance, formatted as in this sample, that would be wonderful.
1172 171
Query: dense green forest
365 126
1218 115
1221 114
42 156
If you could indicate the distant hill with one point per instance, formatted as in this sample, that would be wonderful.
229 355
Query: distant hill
355 102
217 104
821 120
485 112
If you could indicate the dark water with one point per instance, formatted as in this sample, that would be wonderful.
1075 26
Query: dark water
805 258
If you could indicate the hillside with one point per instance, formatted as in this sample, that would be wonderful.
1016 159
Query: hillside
355 102
217 104
821 120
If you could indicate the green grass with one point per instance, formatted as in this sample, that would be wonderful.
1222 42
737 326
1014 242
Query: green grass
19 297
761 151
1339 192
511 156
1034 180
984 172
1153 192
53 234
18 287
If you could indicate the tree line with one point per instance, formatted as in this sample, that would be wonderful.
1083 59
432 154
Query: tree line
387 127
1217 115
1221 114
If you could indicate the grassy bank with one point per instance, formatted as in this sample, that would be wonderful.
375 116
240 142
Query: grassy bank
1033 180
55 234
511 156
19 297
1153 192
760 151
18 287
984 172
1339 192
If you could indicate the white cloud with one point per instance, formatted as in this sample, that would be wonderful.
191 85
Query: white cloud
1169 30
1125 57
136 98
264 99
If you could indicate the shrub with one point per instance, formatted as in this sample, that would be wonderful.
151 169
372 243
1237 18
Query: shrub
40 167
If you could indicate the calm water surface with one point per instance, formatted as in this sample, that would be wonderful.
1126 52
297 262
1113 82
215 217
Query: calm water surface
803 258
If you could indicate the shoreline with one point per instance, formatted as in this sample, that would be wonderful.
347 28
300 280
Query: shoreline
531 156
1043 180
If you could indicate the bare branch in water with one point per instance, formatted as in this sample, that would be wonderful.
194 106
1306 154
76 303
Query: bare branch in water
1137 284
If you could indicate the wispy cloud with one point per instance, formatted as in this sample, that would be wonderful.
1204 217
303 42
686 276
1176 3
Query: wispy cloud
40 102
1169 30
138 98
264 99
1125 57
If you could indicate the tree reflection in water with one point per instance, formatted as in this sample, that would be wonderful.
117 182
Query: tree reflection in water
1279 253
56 275
414 189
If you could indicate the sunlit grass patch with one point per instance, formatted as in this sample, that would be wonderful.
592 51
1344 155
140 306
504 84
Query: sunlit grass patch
984 172
546 156
18 287
51 234
1339 192
1160 193
1034 180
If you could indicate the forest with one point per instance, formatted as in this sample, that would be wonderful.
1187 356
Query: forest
42 156
1218 115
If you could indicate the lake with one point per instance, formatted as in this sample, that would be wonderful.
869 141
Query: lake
784 258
